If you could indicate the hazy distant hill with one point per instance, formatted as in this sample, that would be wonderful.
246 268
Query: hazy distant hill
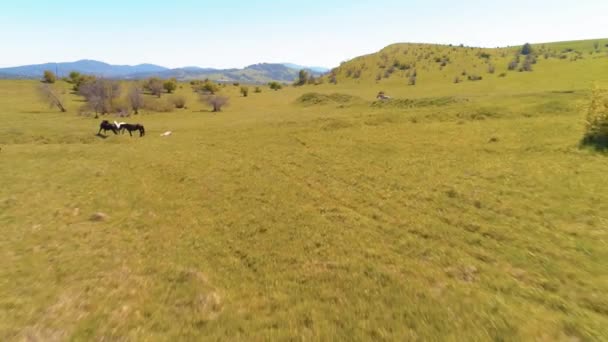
257 73
315 69
83 66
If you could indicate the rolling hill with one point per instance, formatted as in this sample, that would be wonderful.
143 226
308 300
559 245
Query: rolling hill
447 65
257 73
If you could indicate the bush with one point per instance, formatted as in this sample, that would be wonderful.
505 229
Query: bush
215 101
412 80
244 91
206 87
457 80
154 85
236 84
179 101
49 77
526 49
257 90
275 85
491 69
170 86
504 74
596 122
475 78
513 65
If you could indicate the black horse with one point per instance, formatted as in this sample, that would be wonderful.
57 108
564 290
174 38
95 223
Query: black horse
133 127
107 126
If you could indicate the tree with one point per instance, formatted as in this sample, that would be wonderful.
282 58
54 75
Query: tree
77 79
526 49
100 94
207 87
49 77
215 101
303 78
245 91
170 85
52 96
155 86
179 101
136 99
275 85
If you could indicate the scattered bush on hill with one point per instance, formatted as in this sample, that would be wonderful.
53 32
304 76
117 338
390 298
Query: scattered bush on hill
244 91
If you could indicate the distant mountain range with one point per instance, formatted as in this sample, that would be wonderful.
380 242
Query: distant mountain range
257 73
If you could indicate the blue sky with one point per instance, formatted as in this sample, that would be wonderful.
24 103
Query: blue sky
233 33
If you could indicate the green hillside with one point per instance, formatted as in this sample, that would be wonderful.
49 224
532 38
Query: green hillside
437 68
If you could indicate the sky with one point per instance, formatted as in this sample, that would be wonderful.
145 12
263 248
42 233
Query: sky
233 33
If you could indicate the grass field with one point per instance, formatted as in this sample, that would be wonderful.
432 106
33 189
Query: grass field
455 212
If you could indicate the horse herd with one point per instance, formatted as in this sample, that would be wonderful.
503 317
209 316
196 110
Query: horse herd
117 127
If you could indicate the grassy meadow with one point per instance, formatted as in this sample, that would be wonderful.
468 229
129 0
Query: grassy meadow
453 212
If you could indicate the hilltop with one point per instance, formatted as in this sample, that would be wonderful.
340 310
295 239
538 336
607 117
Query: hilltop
445 67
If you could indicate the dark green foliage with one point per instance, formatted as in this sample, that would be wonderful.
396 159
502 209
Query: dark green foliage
275 85
526 49
170 85
49 77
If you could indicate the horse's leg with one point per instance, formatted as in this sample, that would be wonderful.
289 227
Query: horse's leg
130 132
98 133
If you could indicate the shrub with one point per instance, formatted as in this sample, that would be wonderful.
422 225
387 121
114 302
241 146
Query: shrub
136 99
303 77
527 65
52 96
215 101
491 69
170 86
179 101
155 86
236 84
244 91
513 65
526 49
257 90
457 79
275 85
475 78
206 87
596 122
504 74
49 77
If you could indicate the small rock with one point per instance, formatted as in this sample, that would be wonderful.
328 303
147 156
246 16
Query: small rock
166 134
99 216
493 140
